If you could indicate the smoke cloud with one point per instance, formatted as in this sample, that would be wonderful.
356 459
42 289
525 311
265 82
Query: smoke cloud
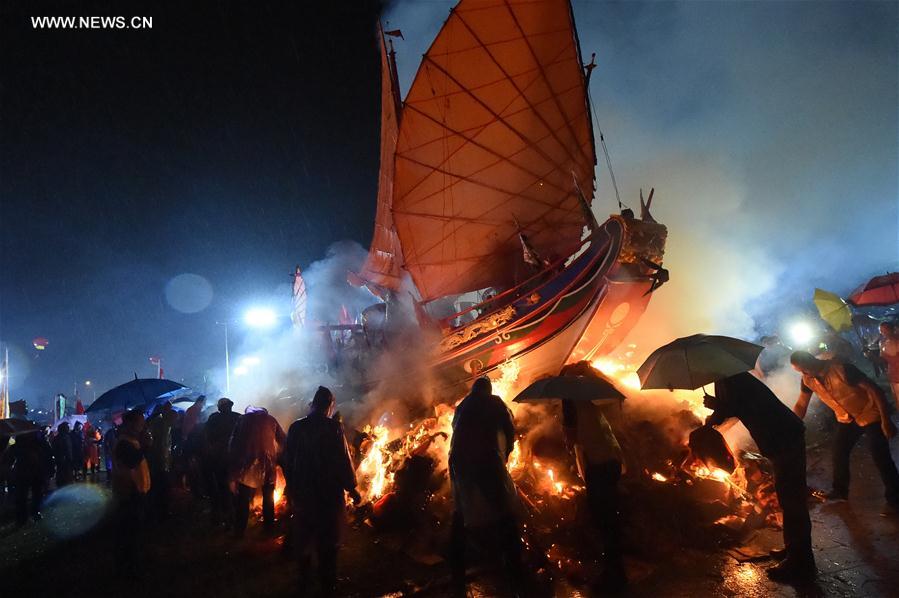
772 149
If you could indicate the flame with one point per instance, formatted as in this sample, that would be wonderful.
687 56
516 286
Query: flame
279 499
374 466
659 477
515 463
505 384
719 475
557 487
625 373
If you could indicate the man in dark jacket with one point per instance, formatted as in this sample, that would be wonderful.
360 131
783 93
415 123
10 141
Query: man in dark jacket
30 461
76 437
219 428
780 436
319 471
484 494
63 456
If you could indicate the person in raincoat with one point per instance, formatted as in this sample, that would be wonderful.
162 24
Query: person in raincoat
130 484
599 459
780 436
861 410
254 452
319 475
192 416
93 439
486 502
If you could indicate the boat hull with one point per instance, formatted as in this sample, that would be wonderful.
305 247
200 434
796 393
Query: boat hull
583 313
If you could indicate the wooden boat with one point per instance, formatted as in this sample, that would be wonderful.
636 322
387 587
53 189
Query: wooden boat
486 166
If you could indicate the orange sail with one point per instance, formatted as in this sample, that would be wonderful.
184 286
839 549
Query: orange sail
495 131
382 267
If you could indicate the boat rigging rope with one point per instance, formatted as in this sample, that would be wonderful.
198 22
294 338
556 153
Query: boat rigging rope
605 151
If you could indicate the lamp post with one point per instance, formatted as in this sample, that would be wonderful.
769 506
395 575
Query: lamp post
256 317
227 359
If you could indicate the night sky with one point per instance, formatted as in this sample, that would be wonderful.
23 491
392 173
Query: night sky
232 141
236 140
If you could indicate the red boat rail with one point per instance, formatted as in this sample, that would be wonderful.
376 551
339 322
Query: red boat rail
515 291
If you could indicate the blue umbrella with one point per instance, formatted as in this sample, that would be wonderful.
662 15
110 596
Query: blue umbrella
139 391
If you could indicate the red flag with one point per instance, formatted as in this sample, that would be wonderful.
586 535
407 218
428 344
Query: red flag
79 407
154 360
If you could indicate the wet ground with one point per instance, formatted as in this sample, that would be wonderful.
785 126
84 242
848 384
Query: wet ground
68 553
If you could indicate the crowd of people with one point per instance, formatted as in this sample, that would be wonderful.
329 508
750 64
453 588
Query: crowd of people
230 458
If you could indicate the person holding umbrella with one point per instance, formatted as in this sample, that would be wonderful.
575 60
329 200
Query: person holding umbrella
599 459
861 409
780 437
598 455
694 361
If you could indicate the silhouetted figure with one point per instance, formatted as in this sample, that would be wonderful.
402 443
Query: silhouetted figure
254 452
319 471
780 436
598 454
861 410
159 458
889 356
218 430
130 484
108 443
484 494
30 463
63 456
77 439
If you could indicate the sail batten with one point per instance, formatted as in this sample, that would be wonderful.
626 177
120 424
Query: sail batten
494 126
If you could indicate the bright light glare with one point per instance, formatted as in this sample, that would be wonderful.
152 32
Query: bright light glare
260 317
87 382
249 361
240 370
802 333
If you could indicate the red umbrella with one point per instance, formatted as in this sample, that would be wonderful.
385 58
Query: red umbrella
880 290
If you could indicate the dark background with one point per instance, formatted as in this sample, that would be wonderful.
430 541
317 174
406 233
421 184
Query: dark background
232 140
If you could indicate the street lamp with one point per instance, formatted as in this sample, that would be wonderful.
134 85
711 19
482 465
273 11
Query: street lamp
255 317
260 317
227 358
802 333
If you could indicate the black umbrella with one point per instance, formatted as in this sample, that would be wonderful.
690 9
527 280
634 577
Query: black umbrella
693 361
574 388
14 427
139 391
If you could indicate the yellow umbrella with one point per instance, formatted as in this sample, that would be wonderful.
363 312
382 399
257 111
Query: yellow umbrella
833 310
